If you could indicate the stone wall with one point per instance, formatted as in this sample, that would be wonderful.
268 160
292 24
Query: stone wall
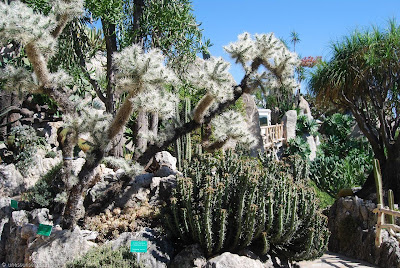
352 224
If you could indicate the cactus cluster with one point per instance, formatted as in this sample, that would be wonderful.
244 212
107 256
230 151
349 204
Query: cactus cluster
183 145
230 203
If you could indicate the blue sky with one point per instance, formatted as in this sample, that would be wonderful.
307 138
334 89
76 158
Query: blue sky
318 22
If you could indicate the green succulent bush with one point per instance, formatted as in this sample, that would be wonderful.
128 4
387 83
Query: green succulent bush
342 161
232 202
298 146
105 256
23 142
47 190
306 125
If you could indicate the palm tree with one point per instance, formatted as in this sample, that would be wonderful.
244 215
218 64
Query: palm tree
294 39
364 77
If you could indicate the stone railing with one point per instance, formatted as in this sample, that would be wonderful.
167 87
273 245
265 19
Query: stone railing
272 135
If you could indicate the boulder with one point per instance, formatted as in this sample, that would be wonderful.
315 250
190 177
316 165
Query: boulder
57 249
15 242
304 107
289 124
313 147
164 158
11 181
161 188
190 257
40 167
5 212
230 260
138 190
253 123
51 133
352 225
23 245
159 249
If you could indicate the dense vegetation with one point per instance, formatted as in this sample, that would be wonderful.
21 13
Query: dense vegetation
230 202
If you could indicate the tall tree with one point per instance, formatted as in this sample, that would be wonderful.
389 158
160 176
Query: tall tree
142 76
363 76
294 38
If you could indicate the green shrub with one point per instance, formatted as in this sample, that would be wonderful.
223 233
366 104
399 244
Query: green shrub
332 173
50 154
343 161
47 190
230 203
105 256
306 125
23 142
299 146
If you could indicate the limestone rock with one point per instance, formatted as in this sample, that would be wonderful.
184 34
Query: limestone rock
15 243
230 260
304 107
191 257
11 181
161 188
42 166
253 122
352 225
159 249
289 124
57 249
41 216
313 147
5 211
164 158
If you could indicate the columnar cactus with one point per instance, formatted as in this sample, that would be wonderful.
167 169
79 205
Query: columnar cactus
230 203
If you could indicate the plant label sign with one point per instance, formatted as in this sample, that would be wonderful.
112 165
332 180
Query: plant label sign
44 229
14 204
138 246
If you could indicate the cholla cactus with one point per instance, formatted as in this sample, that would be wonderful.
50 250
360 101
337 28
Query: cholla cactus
212 75
138 70
232 125
271 53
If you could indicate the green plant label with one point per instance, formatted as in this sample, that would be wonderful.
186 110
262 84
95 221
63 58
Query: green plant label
44 229
14 204
138 246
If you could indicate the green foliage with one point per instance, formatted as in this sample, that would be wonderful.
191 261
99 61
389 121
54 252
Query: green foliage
299 146
105 256
51 154
342 162
23 142
230 203
167 25
306 125
108 10
47 189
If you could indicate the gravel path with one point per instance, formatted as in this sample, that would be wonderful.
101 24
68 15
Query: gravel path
334 260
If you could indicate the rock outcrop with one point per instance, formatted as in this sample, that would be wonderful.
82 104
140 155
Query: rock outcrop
159 249
352 226
289 124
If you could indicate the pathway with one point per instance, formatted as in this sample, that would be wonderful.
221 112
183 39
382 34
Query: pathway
334 260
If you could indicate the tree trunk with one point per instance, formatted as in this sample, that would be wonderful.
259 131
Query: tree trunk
154 124
111 47
142 127
8 99
74 209
390 180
